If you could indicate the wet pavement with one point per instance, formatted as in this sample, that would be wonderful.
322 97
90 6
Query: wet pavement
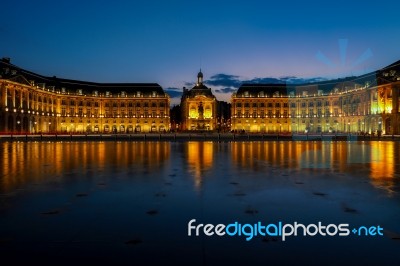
130 203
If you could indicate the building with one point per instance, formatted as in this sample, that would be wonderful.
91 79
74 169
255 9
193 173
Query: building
198 107
368 104
32 103
223 116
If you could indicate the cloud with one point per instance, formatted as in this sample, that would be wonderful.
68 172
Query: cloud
266 80
173 92
227 84
226 90
296 80
232 81
189 84
224 80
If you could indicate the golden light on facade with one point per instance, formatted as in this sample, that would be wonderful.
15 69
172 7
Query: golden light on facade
200 159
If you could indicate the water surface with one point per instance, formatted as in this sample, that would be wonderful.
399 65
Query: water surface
130 202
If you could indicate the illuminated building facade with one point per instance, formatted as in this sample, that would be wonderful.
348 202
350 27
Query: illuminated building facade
351 106
31 103
198 107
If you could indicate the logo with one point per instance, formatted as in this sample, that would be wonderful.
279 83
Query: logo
280 229
344 68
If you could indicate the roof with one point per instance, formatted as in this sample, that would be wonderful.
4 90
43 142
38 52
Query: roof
266 89
12 72
198 89
386 75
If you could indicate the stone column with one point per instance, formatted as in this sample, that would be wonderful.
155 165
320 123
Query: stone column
395 109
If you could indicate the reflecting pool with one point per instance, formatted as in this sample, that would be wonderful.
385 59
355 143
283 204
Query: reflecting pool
130 202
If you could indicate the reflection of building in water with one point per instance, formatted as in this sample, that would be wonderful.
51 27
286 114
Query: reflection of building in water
285 154
384 165
199 159
21 165
198 107
379 157
31 103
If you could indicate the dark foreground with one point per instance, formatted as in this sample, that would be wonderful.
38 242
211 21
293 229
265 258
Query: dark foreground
129 203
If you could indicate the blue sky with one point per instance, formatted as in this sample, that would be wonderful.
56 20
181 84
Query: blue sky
168 41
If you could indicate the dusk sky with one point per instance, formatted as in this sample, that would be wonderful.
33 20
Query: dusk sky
168 41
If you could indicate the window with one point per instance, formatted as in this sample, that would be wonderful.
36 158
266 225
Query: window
277 105
336 112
